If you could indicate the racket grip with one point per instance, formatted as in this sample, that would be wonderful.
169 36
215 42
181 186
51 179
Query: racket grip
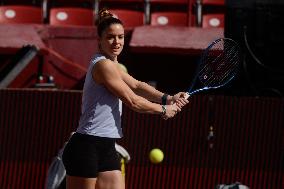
186 96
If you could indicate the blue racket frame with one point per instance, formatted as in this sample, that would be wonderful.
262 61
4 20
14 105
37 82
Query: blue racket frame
204 53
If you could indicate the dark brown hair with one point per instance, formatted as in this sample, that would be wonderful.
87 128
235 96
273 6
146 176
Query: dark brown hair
105 20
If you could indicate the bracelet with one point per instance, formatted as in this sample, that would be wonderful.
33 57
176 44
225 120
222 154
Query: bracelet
164 110
164 99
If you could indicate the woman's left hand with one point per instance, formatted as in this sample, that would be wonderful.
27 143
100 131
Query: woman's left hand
179 99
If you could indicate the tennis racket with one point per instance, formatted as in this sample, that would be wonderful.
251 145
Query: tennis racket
218 65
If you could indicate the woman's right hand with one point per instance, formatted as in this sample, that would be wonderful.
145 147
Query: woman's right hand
171 111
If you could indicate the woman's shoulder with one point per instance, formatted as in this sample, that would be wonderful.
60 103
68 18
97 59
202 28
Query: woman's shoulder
97 57
104 68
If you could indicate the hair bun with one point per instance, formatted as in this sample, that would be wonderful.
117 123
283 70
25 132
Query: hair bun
103 14
105 19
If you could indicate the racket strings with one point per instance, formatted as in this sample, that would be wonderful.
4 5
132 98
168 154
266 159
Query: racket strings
208 71
226 71
219 68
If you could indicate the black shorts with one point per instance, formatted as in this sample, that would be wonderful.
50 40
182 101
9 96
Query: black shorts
86 155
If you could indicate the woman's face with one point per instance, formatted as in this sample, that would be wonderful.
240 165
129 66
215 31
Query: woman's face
112 40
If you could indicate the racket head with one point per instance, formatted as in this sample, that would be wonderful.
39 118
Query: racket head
218 65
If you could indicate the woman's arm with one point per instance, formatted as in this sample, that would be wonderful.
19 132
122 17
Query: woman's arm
108 74
147 91
141 88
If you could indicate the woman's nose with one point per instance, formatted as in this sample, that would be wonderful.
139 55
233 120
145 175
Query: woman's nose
116 40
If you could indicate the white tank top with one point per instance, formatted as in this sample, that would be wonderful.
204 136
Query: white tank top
101 110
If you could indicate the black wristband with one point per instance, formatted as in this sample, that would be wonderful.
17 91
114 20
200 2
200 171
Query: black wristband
164 99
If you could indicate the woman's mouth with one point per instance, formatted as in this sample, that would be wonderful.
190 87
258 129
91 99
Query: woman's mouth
115 48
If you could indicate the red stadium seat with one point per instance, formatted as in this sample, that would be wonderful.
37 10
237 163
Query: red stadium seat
49 4
124 1
169 19
71 16
131 12
204 7
20 14
129 18
155 7
213 21
169 1
70 3
119 4
213 2
21 2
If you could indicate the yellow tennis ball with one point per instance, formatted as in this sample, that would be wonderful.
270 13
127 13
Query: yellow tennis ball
156 155
123 67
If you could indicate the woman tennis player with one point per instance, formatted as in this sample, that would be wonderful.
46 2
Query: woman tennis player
90 158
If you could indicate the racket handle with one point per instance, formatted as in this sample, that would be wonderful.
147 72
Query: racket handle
186 96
